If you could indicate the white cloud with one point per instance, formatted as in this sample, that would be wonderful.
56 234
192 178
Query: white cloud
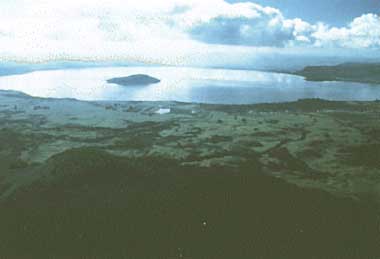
171 32
246 24
362 32
90 29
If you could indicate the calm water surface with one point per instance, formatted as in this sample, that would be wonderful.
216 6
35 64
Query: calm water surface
184 84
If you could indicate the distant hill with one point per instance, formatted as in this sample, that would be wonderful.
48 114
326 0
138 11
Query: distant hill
351 72
132 80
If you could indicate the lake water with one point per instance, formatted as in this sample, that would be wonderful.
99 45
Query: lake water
185 85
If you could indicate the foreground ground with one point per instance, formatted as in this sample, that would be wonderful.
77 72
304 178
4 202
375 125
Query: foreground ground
291 180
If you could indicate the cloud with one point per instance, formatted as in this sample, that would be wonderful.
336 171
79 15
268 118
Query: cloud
362 32
169 32
90 29
246 24
250 24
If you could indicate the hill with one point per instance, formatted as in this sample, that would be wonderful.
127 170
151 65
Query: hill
134 80
351 72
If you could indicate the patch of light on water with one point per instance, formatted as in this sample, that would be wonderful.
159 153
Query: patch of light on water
183 84
163 111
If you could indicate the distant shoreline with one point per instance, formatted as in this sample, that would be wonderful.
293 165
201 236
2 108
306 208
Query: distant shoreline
314 101
368 73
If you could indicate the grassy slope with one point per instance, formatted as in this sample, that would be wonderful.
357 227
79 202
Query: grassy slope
112 180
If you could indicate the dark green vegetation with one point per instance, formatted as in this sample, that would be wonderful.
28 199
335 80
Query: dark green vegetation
92 204
364 155
352 72
118 180
134 80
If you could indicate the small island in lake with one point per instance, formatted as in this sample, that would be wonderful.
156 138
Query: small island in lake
134 80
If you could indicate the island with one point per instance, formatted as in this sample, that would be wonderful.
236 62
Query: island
350 72
134 80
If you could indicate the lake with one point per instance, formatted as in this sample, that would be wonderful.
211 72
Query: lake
184 84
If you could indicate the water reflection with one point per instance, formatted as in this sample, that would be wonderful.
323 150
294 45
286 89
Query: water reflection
184 84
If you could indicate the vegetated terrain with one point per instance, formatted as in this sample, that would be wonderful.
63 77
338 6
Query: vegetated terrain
134 80
117 180
353 72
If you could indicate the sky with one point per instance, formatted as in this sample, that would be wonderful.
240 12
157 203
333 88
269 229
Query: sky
332 12
187 32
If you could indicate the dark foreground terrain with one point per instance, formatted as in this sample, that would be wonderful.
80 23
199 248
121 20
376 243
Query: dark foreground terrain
94 205
118 180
